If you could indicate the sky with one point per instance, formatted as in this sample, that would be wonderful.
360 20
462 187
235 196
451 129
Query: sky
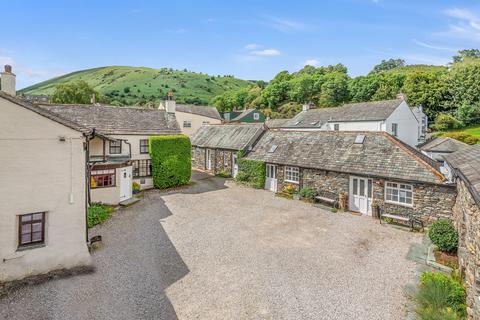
250 39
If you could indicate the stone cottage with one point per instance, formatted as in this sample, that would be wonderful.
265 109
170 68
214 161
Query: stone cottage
465 165
215 147
362 167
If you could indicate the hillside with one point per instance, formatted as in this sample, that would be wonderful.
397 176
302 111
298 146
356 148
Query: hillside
139 85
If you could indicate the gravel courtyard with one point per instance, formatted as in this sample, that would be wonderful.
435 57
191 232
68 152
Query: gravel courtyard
221 251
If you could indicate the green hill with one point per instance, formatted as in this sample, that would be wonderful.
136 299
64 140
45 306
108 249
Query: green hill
139 85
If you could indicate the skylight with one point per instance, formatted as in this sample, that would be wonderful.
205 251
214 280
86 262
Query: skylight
359 139
272 148
297 123
314 123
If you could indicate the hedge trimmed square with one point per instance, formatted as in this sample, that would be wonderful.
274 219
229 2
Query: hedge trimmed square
171 160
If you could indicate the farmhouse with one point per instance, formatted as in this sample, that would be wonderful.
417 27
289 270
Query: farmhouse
215 147
361 167
191 117
466 216
118 151
392 116
44 185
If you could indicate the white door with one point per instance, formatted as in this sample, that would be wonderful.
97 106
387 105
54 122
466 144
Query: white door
361 194
125 183
209 159
271 178
234 165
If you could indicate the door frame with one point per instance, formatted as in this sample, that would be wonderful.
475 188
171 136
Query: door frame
125 182
208 159
271 182
368 198
234 165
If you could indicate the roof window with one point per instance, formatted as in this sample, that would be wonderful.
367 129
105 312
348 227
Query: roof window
272 148
359 139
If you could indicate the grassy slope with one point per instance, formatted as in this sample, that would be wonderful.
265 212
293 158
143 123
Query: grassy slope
145 83
474 131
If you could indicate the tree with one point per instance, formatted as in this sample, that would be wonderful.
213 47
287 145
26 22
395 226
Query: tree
363 88
334 90
426 89
463 84
75 92
466 53
389 64
469 114
301 89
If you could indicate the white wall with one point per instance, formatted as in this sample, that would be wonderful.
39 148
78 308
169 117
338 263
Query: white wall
407 124
356 126
196 121
40 173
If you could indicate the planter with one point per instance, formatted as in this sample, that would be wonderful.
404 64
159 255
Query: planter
432 261
135 191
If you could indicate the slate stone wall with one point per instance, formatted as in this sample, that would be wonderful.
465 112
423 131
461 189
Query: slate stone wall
198 158
221 159
466 217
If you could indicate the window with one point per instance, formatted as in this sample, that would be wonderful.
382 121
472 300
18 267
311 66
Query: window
143 145
187 124
31 229
399 193
115 147
394 129
205 122
142 168
292 174
256 116
336 126
102 178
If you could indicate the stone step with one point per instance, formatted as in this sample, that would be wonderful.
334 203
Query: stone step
129 202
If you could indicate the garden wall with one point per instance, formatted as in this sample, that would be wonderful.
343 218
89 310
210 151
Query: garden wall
466 217
221 159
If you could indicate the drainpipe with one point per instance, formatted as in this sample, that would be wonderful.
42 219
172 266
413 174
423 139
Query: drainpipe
88 137
129 149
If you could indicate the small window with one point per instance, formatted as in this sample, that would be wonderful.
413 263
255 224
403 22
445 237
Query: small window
142 168
187 124
292 174
359 139
272 148
256 116
314 123
336 126
31 229
102 178
394 129
399 193
298 122
143 146
115 147
205 122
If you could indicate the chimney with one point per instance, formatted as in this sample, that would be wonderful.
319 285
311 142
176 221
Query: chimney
306 107
170 104
7 81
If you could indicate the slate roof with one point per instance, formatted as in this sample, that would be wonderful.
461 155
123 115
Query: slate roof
380 155
227 136
363 111
116 120
206 111
443 145
467 162
276 123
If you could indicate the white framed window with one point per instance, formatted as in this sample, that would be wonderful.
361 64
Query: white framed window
394 129
187 124
336 126
256 116
399 193
292 174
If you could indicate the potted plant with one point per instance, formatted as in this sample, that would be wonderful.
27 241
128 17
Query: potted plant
136 188
308 194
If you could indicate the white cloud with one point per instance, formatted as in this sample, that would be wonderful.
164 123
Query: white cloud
431 46
414 58
252 46
266 52
312 62
466 26
285 25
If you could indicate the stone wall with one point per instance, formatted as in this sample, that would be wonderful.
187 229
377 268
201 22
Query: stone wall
430 202
466 217
198 158
221 159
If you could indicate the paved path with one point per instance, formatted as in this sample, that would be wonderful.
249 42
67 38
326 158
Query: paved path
221 251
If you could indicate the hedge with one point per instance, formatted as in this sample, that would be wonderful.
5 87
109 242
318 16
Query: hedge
171 160
443 235
252 172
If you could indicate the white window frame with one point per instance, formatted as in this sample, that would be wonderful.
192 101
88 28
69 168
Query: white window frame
187 123
336 127
398 188
256 116
289 174
395 132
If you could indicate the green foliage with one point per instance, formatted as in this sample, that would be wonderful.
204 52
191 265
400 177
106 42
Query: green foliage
171 160
463 136
466 54
251 172
136 186
443 235
75 92
445 122
463 84
440 297
308 193
289 188
389 64
97 213
224 174
468 113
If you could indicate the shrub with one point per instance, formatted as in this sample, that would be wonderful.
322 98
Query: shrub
252 172
224 174
440 295
171 160
446 122
308 193
136 186
97 213
443 235
289 189
463 136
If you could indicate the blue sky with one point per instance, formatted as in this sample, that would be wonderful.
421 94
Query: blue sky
251 39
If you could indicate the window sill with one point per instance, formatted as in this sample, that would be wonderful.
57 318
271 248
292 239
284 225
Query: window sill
290 181
399 204
31 247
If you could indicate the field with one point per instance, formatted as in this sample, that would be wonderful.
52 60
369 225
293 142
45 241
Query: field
140 85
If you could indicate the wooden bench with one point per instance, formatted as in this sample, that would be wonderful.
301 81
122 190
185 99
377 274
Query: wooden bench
327 197
410 219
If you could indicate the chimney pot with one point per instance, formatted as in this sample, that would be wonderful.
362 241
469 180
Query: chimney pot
7 81
8 68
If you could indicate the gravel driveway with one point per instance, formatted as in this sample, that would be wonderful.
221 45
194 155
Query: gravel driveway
223 251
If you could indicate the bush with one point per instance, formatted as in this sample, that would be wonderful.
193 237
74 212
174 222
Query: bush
463 136
289 189
252 172
171 160
443 235
97 213
445 122
308 193
224 174
136 186
469 113
440 297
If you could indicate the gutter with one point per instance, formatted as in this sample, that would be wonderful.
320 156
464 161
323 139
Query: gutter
88 137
